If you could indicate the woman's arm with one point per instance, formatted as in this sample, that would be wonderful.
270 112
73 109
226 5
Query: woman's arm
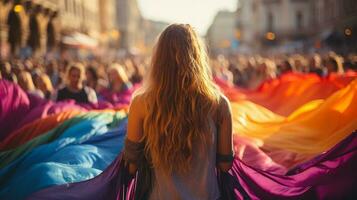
224 143
135 125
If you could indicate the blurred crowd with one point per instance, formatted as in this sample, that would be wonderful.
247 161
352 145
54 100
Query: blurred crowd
85 81
93 80
250 71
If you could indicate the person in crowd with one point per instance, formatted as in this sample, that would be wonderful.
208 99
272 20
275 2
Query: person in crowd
52 72
45 85
300 64
102 83
333 64
179 121
74 88
264 70
120 88
250 70
6 73
315 66
26 83
285 67
222 71
118 79
238 78
128 67
28 65
350 63
92 77
138 74
17 67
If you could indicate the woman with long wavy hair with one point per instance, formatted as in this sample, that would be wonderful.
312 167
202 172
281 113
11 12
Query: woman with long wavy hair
179 121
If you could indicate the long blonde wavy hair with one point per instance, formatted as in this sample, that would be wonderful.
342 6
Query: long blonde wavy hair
180 95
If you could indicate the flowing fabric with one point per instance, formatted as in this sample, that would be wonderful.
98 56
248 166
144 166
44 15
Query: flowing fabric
292 141
312 129
123 97
81 152
290 91
18 108
13 103
86 122
302 182
36 128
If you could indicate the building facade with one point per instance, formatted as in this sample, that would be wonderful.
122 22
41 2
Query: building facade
152 31
24 27
109 33
221 37
5 8
287 23
274 22
42 24
130 25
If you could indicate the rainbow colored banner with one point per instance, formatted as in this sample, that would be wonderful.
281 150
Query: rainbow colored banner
293 137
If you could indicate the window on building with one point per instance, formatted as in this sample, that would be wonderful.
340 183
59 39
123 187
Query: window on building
299 20
270 22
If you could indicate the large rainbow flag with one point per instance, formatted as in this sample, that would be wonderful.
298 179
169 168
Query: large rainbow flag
294 138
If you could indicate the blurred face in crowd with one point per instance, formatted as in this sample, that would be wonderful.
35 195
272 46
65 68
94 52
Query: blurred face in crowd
331 67
298 65
75 78
25 81
41 84
113 76
90 76
315 62
117 75
334 64
28 65
5 68
44 83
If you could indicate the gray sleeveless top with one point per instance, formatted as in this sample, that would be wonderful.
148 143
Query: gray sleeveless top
199 183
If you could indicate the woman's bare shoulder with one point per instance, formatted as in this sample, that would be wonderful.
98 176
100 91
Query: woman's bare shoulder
138 104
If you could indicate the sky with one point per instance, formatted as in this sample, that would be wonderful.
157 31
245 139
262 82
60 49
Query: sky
198 13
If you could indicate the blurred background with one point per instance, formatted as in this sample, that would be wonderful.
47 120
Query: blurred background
112 28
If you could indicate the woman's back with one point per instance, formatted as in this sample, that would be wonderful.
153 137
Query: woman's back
174 116
199 182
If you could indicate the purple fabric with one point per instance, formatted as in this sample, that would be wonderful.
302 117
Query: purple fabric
18 108
14 104
250 153
45 108
115 98
119 98
316 179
